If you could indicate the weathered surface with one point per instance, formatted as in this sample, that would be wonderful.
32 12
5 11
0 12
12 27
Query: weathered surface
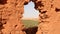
31 30
11 13
10 16
49 16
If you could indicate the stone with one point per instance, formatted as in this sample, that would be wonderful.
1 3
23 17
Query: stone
10 16
49 22
11 13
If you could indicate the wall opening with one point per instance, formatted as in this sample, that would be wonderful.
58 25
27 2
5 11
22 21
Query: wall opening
30 18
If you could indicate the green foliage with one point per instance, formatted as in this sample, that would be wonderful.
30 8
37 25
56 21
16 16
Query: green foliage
30 23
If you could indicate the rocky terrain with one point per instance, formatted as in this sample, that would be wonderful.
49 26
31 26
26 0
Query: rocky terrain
11 13
31 30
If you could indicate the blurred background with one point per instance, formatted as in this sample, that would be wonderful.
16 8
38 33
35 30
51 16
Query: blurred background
30 16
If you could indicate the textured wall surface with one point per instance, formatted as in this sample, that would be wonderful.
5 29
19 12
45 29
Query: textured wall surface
11 13
49 16
10 16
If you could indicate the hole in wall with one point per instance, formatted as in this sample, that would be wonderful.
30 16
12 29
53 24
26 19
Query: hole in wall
30 18
15 25
57 9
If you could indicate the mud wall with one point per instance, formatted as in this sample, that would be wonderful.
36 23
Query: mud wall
49 16
10 16
11 13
